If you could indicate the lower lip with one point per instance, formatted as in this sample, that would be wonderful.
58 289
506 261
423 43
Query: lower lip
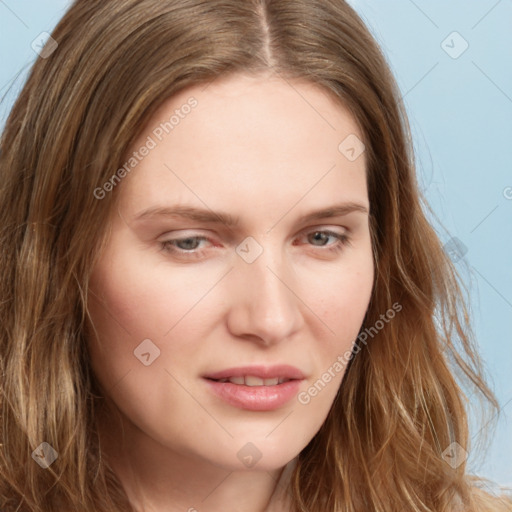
255 398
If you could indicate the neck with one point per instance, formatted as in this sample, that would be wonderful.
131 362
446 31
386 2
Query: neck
157 478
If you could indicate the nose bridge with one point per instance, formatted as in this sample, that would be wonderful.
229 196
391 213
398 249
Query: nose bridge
265 305
269 272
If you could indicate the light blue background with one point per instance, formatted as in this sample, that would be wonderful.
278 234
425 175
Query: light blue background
460 112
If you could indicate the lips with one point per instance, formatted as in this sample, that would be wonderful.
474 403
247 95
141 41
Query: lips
251 380
251 374
256 388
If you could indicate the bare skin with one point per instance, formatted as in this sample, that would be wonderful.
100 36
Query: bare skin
253 148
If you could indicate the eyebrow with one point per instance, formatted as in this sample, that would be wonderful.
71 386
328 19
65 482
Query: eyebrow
219 217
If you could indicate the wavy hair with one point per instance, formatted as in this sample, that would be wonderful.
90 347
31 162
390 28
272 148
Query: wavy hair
399 406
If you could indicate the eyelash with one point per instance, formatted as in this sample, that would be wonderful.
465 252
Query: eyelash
169 246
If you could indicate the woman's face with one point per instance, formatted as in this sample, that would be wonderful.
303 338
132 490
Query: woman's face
237 274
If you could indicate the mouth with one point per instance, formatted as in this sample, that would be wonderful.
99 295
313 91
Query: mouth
257 375
253 381
256 388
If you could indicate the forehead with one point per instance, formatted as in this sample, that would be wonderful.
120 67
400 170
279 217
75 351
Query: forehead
249 142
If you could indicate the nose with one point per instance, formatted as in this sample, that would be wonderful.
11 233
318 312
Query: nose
264 306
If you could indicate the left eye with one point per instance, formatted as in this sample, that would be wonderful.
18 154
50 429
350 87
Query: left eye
322 236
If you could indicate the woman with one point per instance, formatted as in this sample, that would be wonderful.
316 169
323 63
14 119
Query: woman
220 291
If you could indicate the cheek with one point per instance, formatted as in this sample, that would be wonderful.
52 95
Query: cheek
343 299
134 299
126 306
343 302
140 298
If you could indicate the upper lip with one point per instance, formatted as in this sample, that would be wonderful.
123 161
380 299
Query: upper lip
263 372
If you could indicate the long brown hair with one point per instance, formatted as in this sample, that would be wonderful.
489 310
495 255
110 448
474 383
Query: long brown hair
399 406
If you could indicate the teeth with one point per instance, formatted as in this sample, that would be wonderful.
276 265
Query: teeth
251 381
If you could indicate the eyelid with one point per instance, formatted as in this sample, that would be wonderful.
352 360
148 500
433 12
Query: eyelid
168 244
336 231
177 235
